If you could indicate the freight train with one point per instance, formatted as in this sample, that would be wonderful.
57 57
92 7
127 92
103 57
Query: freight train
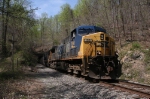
88 51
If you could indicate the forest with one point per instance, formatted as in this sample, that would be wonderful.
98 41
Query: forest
21 31
24 36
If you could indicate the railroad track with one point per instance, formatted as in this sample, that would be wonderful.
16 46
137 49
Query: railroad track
133 88
143 91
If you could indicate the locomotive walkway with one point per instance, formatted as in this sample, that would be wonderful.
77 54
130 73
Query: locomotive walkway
53 84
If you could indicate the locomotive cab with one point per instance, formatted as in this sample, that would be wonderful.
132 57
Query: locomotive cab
73 36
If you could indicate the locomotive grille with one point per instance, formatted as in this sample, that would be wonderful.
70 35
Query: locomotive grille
102 44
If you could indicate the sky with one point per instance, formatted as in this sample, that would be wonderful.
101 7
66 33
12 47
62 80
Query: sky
51 7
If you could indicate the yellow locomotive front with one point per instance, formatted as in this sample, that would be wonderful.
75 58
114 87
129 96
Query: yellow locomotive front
98 56
97 44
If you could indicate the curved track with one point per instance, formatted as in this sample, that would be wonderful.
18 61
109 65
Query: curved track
134 88
143 91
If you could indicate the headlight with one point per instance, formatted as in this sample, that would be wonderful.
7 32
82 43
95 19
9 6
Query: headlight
98 52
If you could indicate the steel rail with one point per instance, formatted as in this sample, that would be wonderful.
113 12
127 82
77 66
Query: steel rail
135 84
127 89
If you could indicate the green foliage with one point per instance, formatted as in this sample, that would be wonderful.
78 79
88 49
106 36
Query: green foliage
5 64
133 74
80 8
141 80
6 71
147 56
66 13
29 59
148 68
135 45
56 42
6 75
65 18
35 32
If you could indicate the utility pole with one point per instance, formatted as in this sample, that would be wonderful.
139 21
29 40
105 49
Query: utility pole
12 41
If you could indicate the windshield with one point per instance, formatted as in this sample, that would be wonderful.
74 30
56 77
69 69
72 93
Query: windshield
85 31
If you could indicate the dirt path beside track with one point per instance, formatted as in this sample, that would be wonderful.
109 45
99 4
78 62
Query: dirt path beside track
46 83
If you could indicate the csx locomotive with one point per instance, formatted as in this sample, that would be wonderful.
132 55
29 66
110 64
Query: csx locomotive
87 51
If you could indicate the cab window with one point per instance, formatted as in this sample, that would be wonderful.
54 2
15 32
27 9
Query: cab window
85 31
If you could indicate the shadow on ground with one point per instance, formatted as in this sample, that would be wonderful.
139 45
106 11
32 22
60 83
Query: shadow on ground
43 72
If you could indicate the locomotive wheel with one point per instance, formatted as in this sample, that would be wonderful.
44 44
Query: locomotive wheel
87 78
79 74
71 73
47 64
95 80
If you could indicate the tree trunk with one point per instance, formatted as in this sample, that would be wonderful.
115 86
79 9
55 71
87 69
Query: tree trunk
4 26
3 31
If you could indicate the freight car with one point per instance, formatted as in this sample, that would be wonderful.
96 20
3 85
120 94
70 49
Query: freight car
87 51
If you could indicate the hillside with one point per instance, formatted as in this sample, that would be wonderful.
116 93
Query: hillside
135 60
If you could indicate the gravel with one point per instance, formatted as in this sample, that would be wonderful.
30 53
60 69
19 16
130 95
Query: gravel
58 85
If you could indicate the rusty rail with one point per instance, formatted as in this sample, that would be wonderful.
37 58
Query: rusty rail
121 86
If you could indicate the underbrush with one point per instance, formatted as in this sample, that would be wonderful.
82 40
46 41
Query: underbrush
29 59
135 45
136 62
7 75
21 59
10 76
147 56
7 79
